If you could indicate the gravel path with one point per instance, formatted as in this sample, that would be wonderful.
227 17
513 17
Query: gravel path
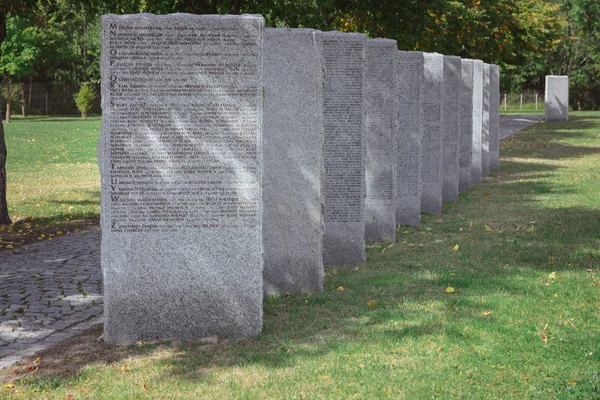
49 291
510 124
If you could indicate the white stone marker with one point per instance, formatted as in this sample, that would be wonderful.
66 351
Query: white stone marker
557 98
451 127
382 132
344 121
477 121
485 123
431 171
409 83
466 125
293 161
494 117
181 177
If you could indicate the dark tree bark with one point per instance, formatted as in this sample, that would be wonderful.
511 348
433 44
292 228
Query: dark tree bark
4 217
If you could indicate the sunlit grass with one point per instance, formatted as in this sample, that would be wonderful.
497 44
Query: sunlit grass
523 321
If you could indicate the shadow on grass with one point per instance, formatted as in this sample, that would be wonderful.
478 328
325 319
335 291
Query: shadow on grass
310 326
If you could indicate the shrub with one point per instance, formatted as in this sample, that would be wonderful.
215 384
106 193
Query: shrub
85 99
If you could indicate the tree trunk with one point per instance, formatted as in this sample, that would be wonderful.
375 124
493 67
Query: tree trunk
8 99
30 90
83 115
4 217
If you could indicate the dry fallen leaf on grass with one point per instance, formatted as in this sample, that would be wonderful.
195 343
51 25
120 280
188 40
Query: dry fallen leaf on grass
449 289
340 289
487 313
371 303
455 248
9 386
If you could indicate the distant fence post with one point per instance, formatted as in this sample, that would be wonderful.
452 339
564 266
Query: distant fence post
504 101
46 101
521 106
536 101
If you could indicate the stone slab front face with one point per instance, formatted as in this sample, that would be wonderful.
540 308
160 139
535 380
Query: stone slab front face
381 107
181 176
466 126
476 168
293 161
557 98
409 81
494 117
431 171
451 128
485 123
344 121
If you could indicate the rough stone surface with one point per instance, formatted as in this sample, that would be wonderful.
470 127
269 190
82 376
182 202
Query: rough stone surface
451 128
293 161
49 291
431 171
477 122
557 98
485 123
381 108
344 121
494 117
466 126
409 83
181 184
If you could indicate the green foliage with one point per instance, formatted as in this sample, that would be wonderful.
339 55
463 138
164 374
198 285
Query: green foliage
19 51
85 99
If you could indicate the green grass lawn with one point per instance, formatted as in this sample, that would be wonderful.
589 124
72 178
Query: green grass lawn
521 251
53 177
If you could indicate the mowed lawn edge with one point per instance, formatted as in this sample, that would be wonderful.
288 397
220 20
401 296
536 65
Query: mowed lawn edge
521 253
53 179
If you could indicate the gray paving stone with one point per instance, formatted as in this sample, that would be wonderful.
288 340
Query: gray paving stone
32 317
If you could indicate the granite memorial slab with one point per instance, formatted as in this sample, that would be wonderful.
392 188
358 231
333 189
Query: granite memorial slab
557 98
382 132
181 176
477 122
466 125
494 117
293 166
344 122
431 169
451 128
485 123
409 84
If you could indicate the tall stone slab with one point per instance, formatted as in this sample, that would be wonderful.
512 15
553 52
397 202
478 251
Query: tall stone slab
451 127
344 122
557 98
466 125
293 161
382 132
181 178
409 81
494 117
485 123
477 122
431 171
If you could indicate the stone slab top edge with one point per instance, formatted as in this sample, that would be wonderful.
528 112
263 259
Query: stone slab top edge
291 30
453 57
347 34
558 76
382 41
182 15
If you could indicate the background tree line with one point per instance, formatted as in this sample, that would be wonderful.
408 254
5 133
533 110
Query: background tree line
58 41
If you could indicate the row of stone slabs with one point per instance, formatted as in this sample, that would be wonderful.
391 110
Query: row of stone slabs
224 143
